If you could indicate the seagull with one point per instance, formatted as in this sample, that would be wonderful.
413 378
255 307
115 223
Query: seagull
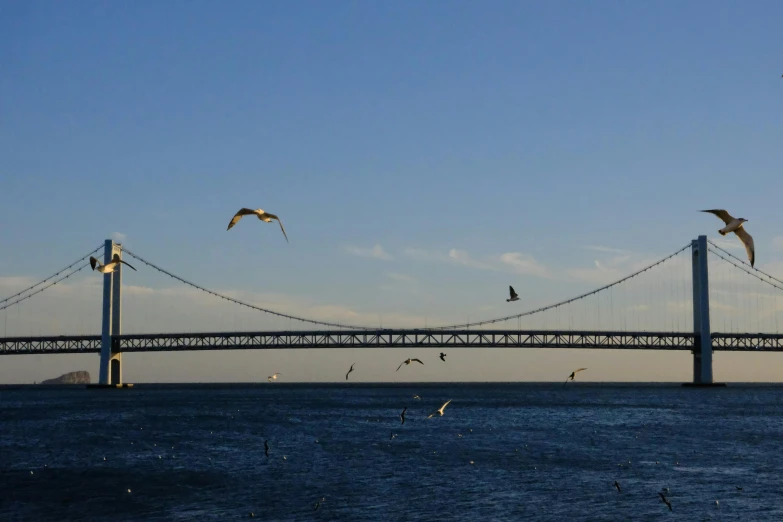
349 371
318 504
735 225
514 296
738 488
407 362
266 448
442 356
573 373
416 397
441 409
402 415
273 377
108 267
667 502
266 217
617 485
392 435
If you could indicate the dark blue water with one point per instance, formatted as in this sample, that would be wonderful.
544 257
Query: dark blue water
500 452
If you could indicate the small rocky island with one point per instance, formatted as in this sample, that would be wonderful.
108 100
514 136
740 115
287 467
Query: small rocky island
81 377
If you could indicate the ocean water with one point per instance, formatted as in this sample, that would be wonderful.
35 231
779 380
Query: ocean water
500 452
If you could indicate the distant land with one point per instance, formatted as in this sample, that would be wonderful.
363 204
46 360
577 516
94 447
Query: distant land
80 377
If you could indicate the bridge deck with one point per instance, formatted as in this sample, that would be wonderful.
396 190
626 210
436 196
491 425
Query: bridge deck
388 339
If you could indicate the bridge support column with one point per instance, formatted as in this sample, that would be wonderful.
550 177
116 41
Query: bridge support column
110 372
702 342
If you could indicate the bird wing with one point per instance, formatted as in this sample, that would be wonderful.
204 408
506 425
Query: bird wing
93 262
580 369
512 292
725 216
238 216
272 216
748 241
400 366
444 406
418 361
124 263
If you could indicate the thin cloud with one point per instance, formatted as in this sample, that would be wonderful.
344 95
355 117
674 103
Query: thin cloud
512 262
376 252
728 244
401 277
119 237
609 250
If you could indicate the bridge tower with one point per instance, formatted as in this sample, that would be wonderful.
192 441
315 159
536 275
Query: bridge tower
110 373
702 341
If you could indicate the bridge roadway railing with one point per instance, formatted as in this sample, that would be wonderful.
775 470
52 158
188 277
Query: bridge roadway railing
388 339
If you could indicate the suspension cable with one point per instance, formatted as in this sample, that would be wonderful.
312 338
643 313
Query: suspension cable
567 301
744 262
243 303
749 272
48 278
28 296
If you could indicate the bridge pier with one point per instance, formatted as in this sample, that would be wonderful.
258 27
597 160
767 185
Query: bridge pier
110 369
702 340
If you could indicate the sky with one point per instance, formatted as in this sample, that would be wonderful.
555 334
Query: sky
422 156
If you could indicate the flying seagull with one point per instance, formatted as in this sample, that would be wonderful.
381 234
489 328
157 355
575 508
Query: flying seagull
573 373
442 356
514 296
408 361
617 485
402 415
108 267
273 377
440 410
349 371
416 397
266 448
665 501
318 504
266 217
735 225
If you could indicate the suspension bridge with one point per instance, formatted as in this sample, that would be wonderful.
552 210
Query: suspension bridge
671 312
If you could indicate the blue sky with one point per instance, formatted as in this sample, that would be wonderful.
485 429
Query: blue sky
488 128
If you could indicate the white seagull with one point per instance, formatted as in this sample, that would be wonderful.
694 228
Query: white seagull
440 410
514 296
266 217
408 361
735 225
108 267
273 377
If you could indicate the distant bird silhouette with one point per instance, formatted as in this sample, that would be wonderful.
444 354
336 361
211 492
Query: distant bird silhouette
266 217
735 225
273 377
738 488
108 267
266 448
416 397
514 296
349 371
617 485
442 356
440 410
665 501
408 361
573 374
318 504
402 415
392 435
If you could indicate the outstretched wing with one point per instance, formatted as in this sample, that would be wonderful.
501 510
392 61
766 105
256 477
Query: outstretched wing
725 216
118 260
417 360
281 224
444 406
400 366
748 241
238 216
93 262
512 292
579 370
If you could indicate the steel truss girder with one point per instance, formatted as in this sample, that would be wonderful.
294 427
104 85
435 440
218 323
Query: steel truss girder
388 339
